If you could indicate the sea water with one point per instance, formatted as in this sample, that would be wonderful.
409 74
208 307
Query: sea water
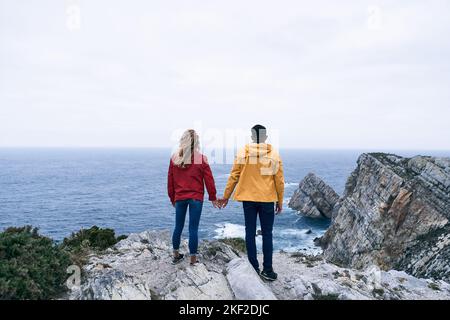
63 190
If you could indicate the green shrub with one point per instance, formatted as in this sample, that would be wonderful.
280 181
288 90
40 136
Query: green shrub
82 243
329 296
237 244
31 266
121 237
378 292
94 238
434 286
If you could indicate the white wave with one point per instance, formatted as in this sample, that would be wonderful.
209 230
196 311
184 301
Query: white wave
290 240
296 233
230 230
308 250
291 184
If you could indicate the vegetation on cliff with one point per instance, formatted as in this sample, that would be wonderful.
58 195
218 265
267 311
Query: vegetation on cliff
33 266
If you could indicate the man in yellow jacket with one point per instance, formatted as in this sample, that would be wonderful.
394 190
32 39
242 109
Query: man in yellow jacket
258 182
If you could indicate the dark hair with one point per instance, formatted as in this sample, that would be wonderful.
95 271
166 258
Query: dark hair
259 133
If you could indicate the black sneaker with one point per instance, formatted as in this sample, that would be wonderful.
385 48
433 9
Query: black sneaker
178 259
268 275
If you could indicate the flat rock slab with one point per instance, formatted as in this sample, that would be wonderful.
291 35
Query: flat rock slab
246 283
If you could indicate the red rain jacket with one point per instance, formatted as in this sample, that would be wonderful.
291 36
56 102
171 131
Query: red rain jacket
189 182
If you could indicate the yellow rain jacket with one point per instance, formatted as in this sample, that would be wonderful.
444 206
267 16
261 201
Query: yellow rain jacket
257 175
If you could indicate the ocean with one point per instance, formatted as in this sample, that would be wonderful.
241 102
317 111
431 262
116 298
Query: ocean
63 190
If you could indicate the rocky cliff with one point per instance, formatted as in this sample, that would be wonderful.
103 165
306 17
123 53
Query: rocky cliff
314 198
139 268
394 214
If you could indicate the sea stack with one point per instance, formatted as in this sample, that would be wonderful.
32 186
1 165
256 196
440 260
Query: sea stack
314 198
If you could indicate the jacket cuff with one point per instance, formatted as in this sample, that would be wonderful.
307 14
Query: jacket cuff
227 194
212 198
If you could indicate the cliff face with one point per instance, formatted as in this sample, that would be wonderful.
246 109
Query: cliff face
395 214
139 268
314 198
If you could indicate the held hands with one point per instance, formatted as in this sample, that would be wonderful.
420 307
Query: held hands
216 204
220 203
223 203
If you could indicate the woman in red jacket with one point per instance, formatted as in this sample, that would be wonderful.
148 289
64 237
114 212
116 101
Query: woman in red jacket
189 172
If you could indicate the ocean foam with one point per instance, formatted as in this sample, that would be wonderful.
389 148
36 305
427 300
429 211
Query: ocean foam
291 184
230 230
295 233
287 237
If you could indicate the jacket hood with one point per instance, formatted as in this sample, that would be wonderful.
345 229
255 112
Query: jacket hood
258 150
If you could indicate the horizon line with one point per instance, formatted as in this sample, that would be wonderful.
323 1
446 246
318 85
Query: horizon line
284 148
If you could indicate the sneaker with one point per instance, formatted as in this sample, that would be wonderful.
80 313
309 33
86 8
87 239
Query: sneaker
195 263
268 275
176 260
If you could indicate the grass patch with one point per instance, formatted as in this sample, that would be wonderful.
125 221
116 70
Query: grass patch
329 296
297 255
237 244
378 292
434 286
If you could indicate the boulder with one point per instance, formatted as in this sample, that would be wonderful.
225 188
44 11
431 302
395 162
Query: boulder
314 198
246 283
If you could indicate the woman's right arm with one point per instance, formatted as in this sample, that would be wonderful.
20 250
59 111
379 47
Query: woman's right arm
209 180
170 184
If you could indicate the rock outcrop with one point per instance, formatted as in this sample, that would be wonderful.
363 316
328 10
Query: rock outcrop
303 277
394 214
245 282
139 268
314 198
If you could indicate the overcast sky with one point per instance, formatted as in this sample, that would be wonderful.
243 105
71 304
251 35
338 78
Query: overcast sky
323 74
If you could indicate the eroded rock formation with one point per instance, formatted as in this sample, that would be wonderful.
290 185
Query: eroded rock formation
314 198
394 214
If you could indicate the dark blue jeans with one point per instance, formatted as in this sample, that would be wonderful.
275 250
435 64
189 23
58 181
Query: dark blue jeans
266 212
195 211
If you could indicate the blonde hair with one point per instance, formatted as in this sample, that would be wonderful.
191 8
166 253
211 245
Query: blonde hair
189 145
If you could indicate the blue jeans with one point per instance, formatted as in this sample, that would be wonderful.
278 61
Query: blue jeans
195 211
266 212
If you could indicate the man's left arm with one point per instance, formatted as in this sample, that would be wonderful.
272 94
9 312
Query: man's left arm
279 185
